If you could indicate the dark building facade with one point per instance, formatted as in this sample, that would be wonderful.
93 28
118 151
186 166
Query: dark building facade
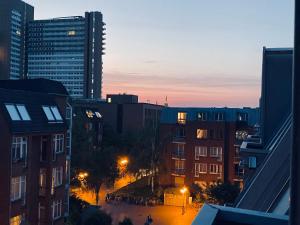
124 114
14 17
266 157
35 152
201 145
68 50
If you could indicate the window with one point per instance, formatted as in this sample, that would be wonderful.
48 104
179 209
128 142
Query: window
202 116
219 116
215 169
16 220
71 33
241 135
57 176
200 168
19 148
18 188
179 150
56 113
58 140
17 112
200 151
215 151
181 118
242 116
109 100
56 209
252 162
179 164
180 132
42 178
201 134
52 113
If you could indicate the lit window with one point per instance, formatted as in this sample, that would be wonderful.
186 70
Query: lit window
109 100
56 209
58 142
201 134
71 33
14 115
19 148
23 112
16 220
98 115
215 169
18 188
200 151
200 168
181 118
57 176
179 164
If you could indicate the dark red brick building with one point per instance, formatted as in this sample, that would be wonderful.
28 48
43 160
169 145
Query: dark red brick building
201 145
35 152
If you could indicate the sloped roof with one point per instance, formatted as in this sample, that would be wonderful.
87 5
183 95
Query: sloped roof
35 85
33 103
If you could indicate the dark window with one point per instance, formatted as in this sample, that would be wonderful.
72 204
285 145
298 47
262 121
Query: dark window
202 116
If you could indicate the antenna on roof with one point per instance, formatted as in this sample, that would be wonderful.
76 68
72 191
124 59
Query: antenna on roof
166 103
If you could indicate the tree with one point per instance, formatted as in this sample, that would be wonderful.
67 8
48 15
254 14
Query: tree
222 193
76 209
126 221
99 162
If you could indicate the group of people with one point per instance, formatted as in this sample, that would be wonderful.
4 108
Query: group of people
149 220
112 198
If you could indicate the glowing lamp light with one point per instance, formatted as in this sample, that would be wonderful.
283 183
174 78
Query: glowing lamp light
124 161
183 190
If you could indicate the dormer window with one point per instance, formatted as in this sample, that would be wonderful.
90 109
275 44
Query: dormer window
219 116
52 113
181 117
17 112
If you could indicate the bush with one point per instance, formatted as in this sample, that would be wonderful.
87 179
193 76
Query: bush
222 193
99 218
126 221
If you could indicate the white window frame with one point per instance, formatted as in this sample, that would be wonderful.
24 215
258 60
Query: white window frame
58 142
57 176
56 209
17 188
179 165
219 116
19 147
215 151
200 151
179 150
200 168
215 169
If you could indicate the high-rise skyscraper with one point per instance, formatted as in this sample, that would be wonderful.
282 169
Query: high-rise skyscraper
68 50
14 15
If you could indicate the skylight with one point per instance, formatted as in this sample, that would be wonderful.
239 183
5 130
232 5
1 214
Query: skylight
56 113
48 113
17 112
23 112
52 113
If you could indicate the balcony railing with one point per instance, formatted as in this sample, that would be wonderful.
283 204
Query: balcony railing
178 155
178 172
179 139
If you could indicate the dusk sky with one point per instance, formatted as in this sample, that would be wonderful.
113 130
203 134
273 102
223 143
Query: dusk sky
196 52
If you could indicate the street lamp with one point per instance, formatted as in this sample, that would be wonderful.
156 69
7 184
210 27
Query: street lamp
183 191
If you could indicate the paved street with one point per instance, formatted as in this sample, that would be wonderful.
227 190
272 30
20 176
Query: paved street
161 215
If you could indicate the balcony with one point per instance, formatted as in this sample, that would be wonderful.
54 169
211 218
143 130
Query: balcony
178 172
180 139
178 155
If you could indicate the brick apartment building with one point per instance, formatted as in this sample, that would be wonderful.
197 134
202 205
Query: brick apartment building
124 113
35 152
201 145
